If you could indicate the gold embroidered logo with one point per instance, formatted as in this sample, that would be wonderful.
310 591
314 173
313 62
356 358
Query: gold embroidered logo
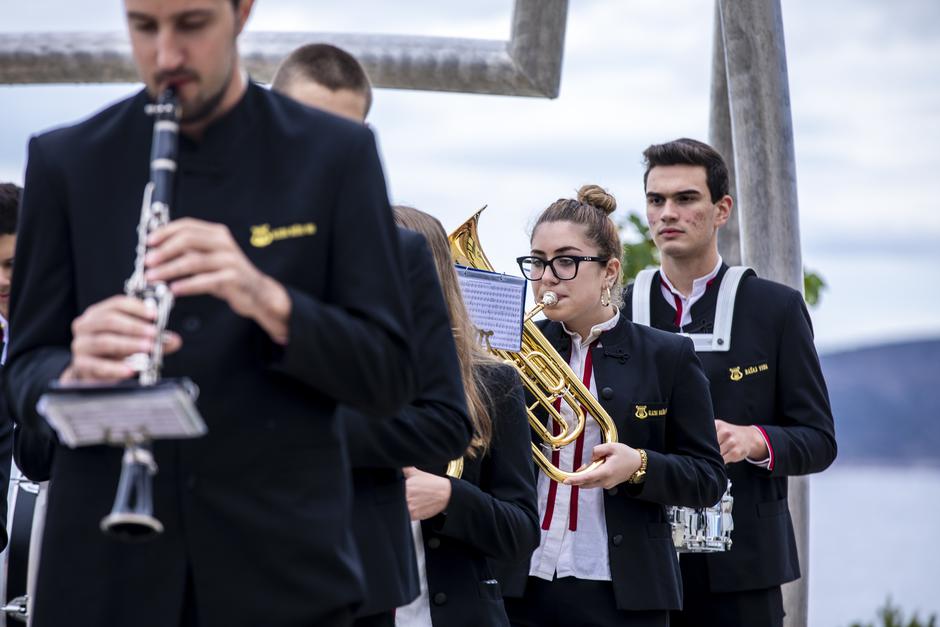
737 374
263 235
642 413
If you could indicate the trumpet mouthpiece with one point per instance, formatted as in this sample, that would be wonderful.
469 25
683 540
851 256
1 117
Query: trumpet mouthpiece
549 299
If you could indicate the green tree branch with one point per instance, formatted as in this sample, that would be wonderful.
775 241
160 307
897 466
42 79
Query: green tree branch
640 252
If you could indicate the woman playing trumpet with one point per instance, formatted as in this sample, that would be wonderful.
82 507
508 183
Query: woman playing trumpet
490 511
606 555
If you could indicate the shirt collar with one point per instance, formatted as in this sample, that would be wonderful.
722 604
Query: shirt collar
698 285
596 330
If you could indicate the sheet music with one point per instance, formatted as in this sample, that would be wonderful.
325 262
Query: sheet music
496 303
109 415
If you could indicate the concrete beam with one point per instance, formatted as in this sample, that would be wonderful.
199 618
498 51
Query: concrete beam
528 64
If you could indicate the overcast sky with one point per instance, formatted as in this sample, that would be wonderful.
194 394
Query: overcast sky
865 91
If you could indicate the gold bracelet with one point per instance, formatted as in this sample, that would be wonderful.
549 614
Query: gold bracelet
640 475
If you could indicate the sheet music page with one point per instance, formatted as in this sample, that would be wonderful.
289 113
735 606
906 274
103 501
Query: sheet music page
100 415
496 303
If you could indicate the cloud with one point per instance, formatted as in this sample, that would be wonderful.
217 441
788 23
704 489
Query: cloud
865 92
489 19
481 18
869 299
865 85
62 16
29 109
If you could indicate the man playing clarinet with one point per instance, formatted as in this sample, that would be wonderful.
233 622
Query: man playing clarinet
279 221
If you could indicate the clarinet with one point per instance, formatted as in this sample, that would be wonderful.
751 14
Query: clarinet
131 517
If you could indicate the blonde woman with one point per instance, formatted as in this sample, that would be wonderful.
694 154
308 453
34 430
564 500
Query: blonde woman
490 512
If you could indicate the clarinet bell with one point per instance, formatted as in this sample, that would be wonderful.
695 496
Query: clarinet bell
131 519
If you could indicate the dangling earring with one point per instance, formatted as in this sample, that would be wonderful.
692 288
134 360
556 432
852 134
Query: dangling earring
605 296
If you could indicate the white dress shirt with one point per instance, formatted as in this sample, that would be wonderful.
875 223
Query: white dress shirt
418 612
682 303
574 530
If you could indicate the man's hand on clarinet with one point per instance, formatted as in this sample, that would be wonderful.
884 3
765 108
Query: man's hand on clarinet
199 257
106 334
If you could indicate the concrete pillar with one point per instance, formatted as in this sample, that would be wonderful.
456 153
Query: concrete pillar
762 132
719 137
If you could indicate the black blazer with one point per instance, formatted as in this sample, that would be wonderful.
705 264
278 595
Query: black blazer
34 450
433 429
257 512
637 366
780 388
33 447
492 515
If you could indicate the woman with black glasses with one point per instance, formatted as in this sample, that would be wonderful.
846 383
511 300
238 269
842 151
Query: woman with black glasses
606 555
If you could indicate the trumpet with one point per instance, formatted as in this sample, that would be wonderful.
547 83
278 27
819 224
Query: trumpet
455 468
545 375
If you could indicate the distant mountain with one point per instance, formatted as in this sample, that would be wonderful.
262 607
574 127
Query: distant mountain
886 402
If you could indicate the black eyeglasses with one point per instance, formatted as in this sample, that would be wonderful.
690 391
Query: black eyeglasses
564 267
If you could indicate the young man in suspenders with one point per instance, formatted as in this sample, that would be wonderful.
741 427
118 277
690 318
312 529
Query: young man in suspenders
772 410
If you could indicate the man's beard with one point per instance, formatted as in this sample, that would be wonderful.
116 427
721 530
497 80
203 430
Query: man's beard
208 106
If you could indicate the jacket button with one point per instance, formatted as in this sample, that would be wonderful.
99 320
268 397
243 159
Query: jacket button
613 491
433 543
607 394
192 324
617 540
440 598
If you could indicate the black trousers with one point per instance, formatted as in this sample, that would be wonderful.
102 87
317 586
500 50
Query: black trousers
570 602
703 608
385 619
189 617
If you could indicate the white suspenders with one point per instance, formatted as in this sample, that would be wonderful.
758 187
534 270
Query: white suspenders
719 340
642 285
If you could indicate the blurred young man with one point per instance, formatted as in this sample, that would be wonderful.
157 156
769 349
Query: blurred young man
434 427
9 205
326 77
33 447
771 405
279 316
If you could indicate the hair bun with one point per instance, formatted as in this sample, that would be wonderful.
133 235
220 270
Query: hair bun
597 196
